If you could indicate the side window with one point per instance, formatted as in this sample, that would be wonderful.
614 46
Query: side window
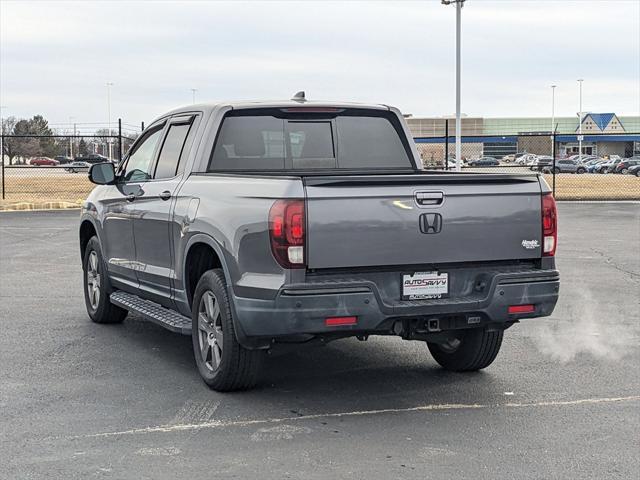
139 164
172 151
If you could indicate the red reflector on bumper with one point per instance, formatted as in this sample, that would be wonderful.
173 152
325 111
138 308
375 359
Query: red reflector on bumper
337 321
522 308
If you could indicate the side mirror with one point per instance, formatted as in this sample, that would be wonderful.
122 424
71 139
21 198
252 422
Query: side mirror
102 173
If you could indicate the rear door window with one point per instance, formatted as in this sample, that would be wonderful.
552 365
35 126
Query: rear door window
172 150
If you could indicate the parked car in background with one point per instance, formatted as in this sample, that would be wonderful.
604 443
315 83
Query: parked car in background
542 162
567 165
624 165
91 158
612 165
635 170
527 159
62 159
513 157
43 162
484 162
74 167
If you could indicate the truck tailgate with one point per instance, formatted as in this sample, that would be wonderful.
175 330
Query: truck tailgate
376 220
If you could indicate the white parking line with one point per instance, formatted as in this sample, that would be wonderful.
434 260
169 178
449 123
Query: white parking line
420 408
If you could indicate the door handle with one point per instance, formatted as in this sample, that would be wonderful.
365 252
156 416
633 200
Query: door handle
429 198
166 195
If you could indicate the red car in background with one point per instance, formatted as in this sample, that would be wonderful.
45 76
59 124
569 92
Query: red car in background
44 161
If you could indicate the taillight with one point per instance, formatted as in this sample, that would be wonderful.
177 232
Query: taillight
287 232
549 225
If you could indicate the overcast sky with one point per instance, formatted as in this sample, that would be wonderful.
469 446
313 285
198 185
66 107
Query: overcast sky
57 56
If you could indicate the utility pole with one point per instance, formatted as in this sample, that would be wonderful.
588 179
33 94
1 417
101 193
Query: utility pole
459 4
193 95
72 139
553 114
109 85
2 148
580 80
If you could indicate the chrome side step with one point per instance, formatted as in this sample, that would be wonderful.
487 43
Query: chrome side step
153 312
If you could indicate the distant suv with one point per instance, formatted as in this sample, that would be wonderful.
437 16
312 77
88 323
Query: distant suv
91 158
624 165
252 227
568 165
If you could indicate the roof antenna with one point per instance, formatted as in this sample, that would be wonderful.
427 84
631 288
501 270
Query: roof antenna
299 97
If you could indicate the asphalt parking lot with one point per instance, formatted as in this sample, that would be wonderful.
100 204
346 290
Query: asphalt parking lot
562 400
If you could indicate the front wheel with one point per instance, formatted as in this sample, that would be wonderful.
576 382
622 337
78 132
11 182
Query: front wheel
624 171
581 170
223 363
470 350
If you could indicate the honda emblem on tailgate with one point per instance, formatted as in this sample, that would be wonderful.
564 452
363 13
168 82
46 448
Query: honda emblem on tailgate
430 223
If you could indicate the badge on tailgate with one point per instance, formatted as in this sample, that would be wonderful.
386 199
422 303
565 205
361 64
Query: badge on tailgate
422 285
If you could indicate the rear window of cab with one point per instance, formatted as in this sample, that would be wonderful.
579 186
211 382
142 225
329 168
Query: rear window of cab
277 139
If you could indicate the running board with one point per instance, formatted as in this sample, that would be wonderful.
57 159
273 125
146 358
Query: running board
169 319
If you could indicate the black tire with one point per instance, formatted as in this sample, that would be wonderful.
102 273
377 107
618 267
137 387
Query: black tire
556 170
624 171
99 307
473 350
638 173
581 170
231 367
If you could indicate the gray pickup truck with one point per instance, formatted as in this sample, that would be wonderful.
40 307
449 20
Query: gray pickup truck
255 226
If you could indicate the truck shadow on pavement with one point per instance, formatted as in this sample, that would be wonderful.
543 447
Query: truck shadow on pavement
353 374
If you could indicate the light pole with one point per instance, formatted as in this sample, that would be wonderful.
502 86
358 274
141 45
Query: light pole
193 95
2 148
109 85
553 114
580 80
458 62
72 139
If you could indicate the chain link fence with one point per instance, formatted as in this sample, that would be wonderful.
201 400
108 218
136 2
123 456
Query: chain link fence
608 169
50 171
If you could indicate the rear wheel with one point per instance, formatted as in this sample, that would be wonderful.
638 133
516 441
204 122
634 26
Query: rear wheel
97 287
581 170
470 350
223 363
624 171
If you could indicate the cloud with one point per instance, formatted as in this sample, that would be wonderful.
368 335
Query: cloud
57 56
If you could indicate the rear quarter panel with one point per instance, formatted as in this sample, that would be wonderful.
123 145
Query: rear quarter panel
233 211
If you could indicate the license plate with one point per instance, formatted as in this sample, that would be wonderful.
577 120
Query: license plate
422 285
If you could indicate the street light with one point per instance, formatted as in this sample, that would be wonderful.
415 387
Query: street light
459 4
580 80
193 95
109 85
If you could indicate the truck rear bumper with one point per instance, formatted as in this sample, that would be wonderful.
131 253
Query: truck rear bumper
305 308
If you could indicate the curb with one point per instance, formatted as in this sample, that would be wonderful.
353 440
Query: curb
30 206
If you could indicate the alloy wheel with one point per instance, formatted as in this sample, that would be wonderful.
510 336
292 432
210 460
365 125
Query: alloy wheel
210 336
93 280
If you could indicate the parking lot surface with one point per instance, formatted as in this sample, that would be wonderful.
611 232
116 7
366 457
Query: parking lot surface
562 400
